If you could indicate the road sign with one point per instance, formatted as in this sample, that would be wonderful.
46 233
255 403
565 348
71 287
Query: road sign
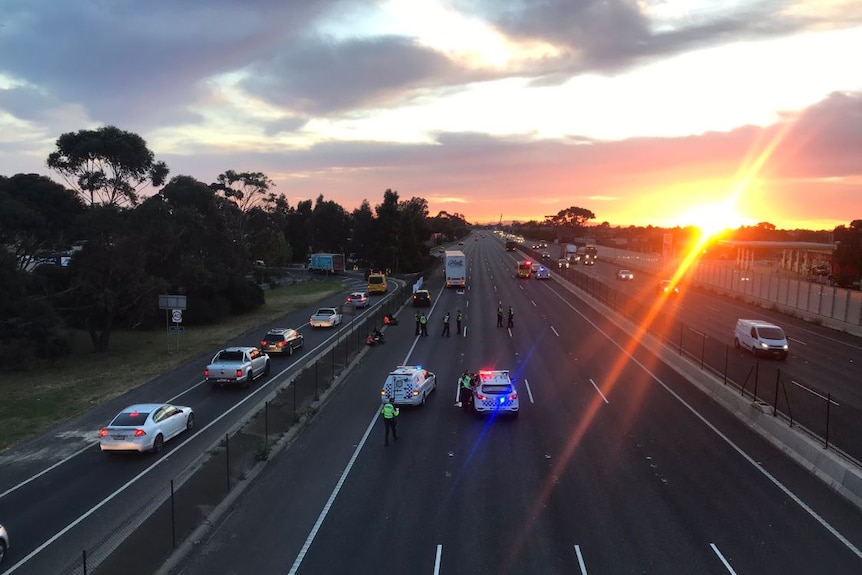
177 330
177 316
172 302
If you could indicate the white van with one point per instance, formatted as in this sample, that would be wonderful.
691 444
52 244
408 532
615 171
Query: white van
760 337
408 385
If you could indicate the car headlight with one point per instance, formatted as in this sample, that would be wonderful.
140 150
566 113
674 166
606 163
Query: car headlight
764 345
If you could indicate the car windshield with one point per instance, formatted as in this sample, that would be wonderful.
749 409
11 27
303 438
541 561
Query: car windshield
771 333
272 338
130 418
325 312
494 389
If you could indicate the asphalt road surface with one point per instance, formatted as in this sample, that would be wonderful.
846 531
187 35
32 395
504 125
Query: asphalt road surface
616 464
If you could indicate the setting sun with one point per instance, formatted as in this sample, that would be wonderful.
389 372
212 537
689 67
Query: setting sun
714 218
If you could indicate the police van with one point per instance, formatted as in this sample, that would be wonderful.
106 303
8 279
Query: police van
408 385
760 337
494 393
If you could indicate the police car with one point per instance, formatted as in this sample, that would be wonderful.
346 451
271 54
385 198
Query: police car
408 385
495 393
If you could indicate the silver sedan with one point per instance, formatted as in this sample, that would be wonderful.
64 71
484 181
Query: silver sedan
145 427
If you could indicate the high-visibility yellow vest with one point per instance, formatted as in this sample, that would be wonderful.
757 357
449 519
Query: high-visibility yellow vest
389 411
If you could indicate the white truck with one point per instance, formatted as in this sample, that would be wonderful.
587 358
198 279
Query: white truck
456 268
572 253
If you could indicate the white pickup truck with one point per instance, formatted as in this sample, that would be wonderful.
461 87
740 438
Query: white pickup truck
237 366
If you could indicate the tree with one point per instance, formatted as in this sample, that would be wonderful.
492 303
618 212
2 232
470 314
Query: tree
37 216
388 232
329 225
107 165
362 232
571 217
245 189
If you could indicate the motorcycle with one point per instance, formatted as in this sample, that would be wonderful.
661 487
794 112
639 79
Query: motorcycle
375 338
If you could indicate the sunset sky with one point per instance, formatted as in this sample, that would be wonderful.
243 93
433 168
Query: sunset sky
661 112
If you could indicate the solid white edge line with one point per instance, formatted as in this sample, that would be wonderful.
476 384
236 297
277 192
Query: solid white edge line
529 391
599 390
581 563
310 539
723 437
723 560
437 559
555 331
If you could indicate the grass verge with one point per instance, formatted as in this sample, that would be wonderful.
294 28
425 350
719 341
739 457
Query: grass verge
35 400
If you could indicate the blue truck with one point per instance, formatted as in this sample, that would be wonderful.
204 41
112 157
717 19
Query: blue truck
326 263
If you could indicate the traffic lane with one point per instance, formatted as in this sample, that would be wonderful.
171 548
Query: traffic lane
280 509
829 504
634 403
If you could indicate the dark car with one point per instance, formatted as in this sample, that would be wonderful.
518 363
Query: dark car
421 298
667 287
282 340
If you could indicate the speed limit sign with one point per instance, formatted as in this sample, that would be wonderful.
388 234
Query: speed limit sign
177 316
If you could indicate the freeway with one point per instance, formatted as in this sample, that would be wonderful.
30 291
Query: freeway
616 464
59 494
823 362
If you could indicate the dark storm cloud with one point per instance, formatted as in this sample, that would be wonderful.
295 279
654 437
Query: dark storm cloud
612 35
139 63
319 76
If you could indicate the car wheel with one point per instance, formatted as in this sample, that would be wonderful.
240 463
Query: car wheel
190 422
289 350
2 550
266 368
247 383
158 443
424 397
736 342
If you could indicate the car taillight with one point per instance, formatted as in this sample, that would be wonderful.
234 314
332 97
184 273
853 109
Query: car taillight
239 373
480 396
140 433
513 396
282 343
263 343
206 373
103 432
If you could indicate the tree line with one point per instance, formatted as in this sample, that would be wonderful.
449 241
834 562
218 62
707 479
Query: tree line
96 253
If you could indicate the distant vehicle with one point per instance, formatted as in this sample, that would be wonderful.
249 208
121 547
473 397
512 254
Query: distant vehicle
282 341
571 253
455 264
543 245
535 246
625 275
460 243
761 337
326 263
325 317
543 273
511 246
358 299
525 268
667 287
589 261
4 542
237 366
377 283
422 298
591 252
535 267
145 427
546 255
408 385
494 393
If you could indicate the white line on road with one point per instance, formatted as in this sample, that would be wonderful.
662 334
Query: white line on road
310 539
799 341
437 559
581 563
723 560
700 333
754 464
555 331
599 390
529 392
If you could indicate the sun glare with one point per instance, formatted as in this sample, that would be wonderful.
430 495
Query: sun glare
713 219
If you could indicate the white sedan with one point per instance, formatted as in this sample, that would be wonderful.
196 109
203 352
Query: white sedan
325 317
625 275
145 427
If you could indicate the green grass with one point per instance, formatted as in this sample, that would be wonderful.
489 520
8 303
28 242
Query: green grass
33 401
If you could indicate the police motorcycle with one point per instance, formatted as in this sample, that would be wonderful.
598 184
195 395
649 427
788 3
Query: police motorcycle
375 337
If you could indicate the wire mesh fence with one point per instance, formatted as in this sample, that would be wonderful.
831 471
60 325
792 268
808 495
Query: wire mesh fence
170 516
